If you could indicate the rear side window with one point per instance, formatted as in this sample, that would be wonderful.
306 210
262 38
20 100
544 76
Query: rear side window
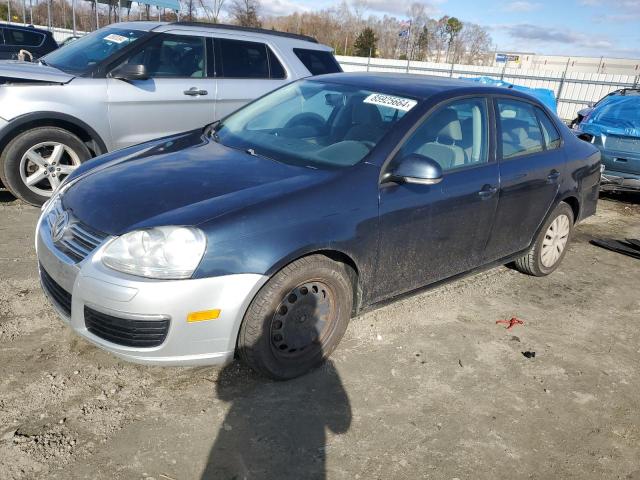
317 62
549 131
1 37
24 38
240 59
521 133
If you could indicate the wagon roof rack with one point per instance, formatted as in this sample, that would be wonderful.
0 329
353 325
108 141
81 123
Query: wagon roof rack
265 31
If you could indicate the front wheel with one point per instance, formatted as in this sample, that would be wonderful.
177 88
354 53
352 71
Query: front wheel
298 318
550 246
34 163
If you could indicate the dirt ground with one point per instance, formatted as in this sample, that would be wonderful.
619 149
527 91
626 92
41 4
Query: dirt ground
426 387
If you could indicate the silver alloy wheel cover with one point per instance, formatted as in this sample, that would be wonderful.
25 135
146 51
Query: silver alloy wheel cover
555 241
49 168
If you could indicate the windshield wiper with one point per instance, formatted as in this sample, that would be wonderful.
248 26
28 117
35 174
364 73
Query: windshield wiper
41 61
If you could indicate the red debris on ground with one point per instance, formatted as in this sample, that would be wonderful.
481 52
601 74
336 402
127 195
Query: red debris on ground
511 323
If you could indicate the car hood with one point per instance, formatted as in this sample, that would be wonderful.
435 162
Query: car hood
17 70
184 180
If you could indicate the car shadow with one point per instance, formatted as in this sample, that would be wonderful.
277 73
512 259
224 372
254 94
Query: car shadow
7 197
622 197
277 430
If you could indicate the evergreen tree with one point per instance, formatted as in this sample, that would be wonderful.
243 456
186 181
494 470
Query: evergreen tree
365 43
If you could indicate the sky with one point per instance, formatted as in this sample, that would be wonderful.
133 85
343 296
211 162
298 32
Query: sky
609 28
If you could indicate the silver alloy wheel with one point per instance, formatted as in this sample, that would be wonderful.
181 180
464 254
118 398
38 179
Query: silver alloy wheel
45 165
555 240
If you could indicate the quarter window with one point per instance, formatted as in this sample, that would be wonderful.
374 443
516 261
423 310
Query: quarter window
318 62
455 135
240 59
173 56
519 128
549 131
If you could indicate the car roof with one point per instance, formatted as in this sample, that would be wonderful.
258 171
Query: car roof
222 28
415 85
8 26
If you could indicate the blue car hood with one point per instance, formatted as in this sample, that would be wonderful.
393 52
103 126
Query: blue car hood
618 115
185 180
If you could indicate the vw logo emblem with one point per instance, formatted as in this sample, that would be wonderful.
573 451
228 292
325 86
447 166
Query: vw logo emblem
59 226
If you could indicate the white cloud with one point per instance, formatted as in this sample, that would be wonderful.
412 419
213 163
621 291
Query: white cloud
522 6
282 7
401 8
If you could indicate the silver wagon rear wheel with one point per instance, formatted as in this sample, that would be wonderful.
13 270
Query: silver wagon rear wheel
45 165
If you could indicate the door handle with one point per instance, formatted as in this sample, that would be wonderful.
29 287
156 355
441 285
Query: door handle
194 92
487 191
553 176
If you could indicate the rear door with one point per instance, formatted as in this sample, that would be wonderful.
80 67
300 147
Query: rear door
431 232
532 164
245 70
178 96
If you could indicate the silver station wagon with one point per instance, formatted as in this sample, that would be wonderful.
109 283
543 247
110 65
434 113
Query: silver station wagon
132 82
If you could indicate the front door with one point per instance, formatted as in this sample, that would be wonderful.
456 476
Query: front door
179 95
431 232
531 168
245 71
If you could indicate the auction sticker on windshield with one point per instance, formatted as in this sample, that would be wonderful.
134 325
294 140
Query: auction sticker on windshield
113 37
399 103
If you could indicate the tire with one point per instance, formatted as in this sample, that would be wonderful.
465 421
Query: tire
279 336
551 244
45 155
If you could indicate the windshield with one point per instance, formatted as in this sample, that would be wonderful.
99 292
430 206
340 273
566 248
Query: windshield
314 123
82 54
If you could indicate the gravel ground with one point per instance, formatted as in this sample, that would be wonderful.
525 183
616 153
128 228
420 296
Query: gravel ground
426 387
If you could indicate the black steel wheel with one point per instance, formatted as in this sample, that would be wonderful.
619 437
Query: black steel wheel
298 318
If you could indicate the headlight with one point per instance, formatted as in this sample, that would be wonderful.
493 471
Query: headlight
161 252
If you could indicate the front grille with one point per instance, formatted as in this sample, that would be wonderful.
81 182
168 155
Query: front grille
79 239
59 295
124 331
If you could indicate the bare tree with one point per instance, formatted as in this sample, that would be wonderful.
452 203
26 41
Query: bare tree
245 13
212 11
190 9
216 9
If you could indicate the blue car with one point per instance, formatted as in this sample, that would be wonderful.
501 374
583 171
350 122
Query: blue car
613 125
262 235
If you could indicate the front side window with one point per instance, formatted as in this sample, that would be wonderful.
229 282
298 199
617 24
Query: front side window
314 123
84 53
455 135
318 62
519 128
177 56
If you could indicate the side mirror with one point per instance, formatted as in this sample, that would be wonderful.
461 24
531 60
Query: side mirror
416 169
130 72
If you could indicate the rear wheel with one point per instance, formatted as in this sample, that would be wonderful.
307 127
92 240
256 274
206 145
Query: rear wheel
34 163
550 246
298 318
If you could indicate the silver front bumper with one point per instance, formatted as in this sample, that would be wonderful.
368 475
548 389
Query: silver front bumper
93 285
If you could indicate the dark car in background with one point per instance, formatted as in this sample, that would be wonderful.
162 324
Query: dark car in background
264 233
613 126
34 40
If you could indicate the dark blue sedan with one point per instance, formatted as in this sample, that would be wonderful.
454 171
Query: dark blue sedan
262 235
